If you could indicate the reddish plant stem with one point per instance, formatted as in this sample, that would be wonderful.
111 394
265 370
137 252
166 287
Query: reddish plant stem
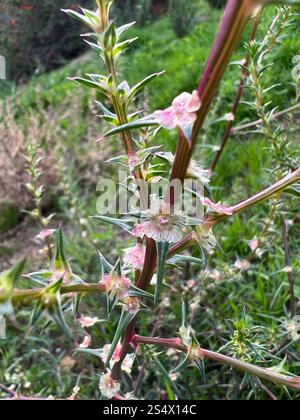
15 396
263 373
244 75
237 13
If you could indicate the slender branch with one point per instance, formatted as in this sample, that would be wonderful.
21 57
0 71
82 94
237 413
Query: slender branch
7 390
15 396
237 100
259 122
28 296
263 373
269 192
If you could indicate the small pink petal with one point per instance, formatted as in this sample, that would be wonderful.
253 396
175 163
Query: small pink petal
166 118
75 393
253 244
138 231
87 321
86 342
133 160
44 234
195 102
217 207
135 256
182 101
117 353
229 117
108 281
186 120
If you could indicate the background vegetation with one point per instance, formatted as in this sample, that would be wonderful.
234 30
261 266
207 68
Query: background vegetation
243 307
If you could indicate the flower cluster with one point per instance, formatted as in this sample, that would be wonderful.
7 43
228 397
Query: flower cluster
135 256
116 285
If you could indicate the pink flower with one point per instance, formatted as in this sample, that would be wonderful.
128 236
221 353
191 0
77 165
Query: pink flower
160 224
127 362
217 207
182 113
86 342
116 355
87 321
135 256
253 244
44 234
116 285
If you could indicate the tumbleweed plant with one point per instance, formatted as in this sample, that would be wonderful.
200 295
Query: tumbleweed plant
166 229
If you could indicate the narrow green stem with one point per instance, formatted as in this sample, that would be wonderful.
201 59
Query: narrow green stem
28 296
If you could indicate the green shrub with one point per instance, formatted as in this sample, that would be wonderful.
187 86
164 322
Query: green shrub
134 10
9 217
37 37
182 16
217 4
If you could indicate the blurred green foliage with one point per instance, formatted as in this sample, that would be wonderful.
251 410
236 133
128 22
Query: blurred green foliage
232 306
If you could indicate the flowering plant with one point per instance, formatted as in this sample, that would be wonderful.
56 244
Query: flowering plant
161 231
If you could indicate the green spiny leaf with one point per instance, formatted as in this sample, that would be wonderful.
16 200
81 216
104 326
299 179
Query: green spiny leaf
134 125
162 253
125 320
139 86
166 376
126 225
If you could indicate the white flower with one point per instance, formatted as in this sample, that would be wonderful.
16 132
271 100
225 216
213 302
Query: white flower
292 327
229 117
160 224
108 386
